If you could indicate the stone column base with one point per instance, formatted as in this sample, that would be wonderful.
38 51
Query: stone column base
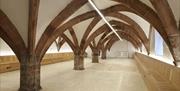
95 59
30 89
30 76
175 42
177 63
103 57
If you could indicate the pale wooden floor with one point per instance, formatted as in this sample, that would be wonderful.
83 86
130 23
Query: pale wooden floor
108 75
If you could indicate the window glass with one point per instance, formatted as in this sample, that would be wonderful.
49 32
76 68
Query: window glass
158 44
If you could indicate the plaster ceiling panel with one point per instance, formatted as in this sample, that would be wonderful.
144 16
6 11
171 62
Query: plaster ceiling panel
98 25
110 34
121 45
67 33
116 19
175 6
97 38
80 28
106 42
65 48
85 8
140 21
89 51
113 33
48 10
148 3
102 4
52 48
17 11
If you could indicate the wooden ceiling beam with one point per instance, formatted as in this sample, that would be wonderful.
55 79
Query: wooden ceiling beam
46 39
74 37
166 16
32 26
10 34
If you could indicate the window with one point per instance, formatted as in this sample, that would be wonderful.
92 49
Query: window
158 44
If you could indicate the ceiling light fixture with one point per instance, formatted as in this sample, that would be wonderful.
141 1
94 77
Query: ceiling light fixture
102 16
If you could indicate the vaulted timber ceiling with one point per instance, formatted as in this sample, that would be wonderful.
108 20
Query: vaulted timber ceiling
79 25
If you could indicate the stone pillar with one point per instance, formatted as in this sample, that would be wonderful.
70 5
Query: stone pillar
30 74
103 55
95 57
140 49
78 62
175 43
85 54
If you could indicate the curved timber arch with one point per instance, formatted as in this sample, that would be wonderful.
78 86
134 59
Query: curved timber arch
146 13
73 34
124 35
132 23
101 30
152 17
63 38
166 16
119 25
45 41
59 43
11 36
135 38
72 7
136 28
115 39
94 48
131 31
70 43
168 20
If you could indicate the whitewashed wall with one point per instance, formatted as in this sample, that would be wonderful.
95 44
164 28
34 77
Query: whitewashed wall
64 48
5 49
17 11
120 49
117 50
